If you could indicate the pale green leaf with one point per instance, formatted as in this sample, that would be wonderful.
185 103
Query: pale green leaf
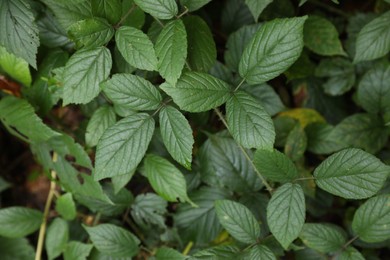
16 248
171 50
238 220
194 5
161 9
372 219
123 145
136 48
249 123
66 207
83 73
219 252
120 181
56 238
15 67
259 252
109 9
286 213
132 92
19 221
148 210
102 118
198 92
272 50
113 240
257 6
176 134
18 31
351 174
77 251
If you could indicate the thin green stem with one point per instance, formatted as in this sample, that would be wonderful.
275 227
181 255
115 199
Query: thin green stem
329 8
345 246
188 248
125 16
159 22
183 13
134 227
239 85
305 179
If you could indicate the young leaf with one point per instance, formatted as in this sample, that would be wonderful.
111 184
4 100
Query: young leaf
250 125
259 252
372 219
351 174
123 145
66 207
56 238
19 33
273 49
166 179
113 240
198 92
15 67
103 118
275 165
161 9
238 221
325 238
171 50
256 7
109 9
286 213
83 73
132 92
177 136
149 210
19 222
373 40
77 250
136 48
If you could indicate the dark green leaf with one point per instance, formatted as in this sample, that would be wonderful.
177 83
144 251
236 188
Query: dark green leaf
19 221
51 33
194 5
319 139
161 9
16 248
296 143
109 9
56 238
259 252
256 7
234 15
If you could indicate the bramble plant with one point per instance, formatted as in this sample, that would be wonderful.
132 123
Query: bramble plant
198 129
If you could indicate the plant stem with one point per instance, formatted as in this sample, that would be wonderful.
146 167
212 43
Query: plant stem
159 22
183 13
239 85
329 8
42 230
305 178
345 246
125 16
266 184
188 248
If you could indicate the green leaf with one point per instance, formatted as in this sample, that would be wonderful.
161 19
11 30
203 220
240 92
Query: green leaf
324 238
19 32
194 5
83 73
19 221
286 213
77 251
319 139
256 6
102 118
272 50
198 92
16 248
259 252
171 50
166 179
91 33
217 252
374 91
234 15
351 174
340 75
18 114
373 40
321 36
132 92
350 253
149 210
202 52
249 123
109 9
120 181
275 165
66 207
137 17
113 240
165 253
238 220
136 48
177 136
296 143
372 219
4 184
161 9
15 67
123 145
51 33
56 238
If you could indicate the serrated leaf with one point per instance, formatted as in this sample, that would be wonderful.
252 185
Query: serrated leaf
166 179
15 67
91 33
350 253
351 174
325 238
120 181
234 15
202 52
249 123
194 5
256 7
132 92
217 253
16 248
136 48
286 213
109 9
273 49
137 17
123 145
102 118
66 207
275 165
51 33
319 139
19 32
56 238
238 221
171 50
373 40
113 240
165 253
198 92
259 252
296 143
176 134
77 250
149 210
83 73
19 221
321 36
18 114
161 9
372 219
